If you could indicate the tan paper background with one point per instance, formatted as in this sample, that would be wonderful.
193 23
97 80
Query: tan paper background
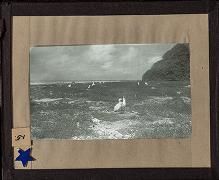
51 154
21 137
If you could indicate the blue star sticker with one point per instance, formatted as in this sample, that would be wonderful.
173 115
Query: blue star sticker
24 156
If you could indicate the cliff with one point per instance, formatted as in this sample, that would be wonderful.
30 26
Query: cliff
174 65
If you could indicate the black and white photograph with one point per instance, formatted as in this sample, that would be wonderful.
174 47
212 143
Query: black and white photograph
113 91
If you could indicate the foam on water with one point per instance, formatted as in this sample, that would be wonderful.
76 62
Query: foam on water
105 129
161 99
163 121
86 82
71 102
47 99
154 99
95 108
44 112
49 83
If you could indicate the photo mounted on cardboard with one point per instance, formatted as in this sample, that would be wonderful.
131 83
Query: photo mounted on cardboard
43 31
123 91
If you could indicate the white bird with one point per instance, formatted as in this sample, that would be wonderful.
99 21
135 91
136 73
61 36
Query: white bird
178 92
146 83
138 83
69 85
120 106
93 84
88 87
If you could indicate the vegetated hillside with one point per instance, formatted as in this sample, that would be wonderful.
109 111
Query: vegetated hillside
174 66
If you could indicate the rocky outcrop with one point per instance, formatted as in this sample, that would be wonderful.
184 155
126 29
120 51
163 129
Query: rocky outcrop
174 66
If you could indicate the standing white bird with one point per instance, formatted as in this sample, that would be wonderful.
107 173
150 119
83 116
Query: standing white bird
120 106
93 84
69 85
146 83
88 87
138 83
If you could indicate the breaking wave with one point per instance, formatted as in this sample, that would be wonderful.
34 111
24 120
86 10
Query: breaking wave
47 99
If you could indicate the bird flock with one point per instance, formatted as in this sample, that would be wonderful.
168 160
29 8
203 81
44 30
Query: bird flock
93 84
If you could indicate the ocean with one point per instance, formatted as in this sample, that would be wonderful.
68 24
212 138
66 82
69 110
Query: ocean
83 110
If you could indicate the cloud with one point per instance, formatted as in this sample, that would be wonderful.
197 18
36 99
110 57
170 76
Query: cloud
153 60
107 65
94 62
100 53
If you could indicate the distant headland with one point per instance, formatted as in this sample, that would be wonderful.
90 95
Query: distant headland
174 66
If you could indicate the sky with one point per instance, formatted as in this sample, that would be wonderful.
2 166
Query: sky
93 62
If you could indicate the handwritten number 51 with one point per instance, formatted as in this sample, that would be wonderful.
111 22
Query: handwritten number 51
19 137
